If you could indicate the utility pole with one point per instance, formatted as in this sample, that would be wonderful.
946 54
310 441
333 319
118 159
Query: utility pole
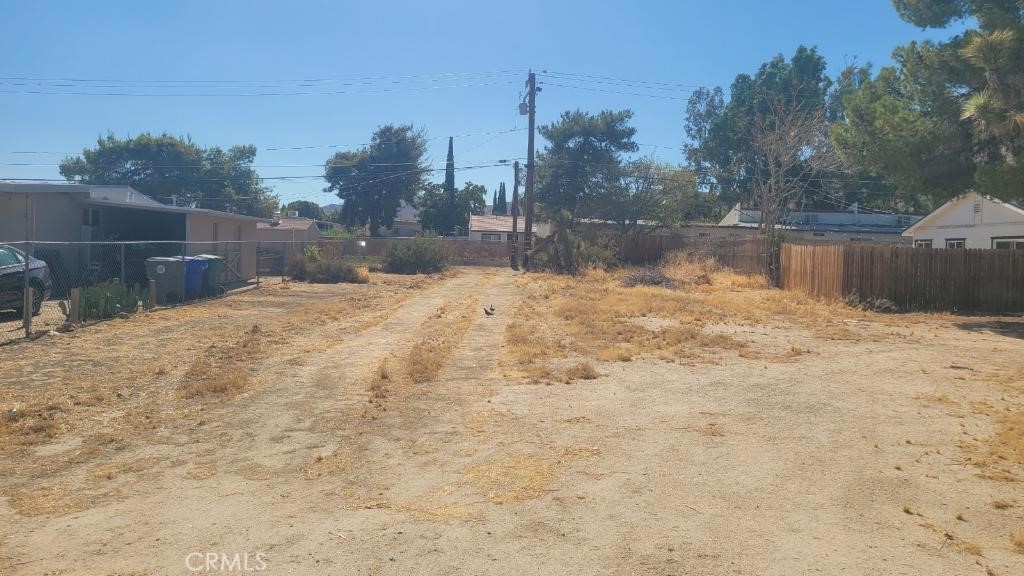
515 216
531 110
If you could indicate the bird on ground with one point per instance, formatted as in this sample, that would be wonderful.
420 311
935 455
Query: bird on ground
492 307
488 312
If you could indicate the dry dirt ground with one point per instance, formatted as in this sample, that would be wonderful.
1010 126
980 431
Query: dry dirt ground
584 428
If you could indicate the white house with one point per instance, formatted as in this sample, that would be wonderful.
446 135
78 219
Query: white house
971 220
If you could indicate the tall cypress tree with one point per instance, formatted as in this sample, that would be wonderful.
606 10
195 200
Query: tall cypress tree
494 203
449 171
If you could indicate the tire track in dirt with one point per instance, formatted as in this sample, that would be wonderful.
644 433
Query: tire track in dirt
249 459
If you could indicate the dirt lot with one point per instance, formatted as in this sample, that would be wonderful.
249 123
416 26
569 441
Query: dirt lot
584 428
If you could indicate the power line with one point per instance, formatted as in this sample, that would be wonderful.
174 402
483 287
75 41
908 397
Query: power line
253 94
236 81
305 147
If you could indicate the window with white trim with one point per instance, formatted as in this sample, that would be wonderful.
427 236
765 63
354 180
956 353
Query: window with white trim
1008 243
922 243
955 243
490 237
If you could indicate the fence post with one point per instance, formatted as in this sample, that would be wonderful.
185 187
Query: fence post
184 249
257 263
26 317
123 281
73 306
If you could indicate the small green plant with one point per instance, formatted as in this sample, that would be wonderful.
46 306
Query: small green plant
108 299
313 253
332 233
423 255
64 309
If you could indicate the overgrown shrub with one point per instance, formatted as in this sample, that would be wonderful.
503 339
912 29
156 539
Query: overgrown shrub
883 305
303 269
648 276
685 267
424 255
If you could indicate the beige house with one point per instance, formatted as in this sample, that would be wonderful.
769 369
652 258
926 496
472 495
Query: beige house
498 229
971 220
68 215
287 235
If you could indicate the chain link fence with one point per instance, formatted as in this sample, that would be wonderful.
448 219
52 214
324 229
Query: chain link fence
78 283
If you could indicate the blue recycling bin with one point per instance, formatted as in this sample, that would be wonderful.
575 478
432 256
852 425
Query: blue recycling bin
195 272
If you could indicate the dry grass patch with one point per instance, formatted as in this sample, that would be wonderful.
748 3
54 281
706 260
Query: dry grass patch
223 370
378 387
326 465
1001 456
51 499
444 331
581 371
712 430
513 478
1017 539
1002 504
201 471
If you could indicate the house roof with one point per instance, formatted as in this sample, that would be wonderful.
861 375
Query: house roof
287 224
849 220
117 196
941 210
489 223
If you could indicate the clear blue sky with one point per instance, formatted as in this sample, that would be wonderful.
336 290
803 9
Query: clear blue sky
362 49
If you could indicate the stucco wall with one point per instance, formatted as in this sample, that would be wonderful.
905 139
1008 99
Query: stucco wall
977 228
55 217
200 234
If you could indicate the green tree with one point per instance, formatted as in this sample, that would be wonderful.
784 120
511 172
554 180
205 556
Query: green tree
947 116
438 214
176 170
648 197
721 146
373 181
449 169
582 159
306 209
500 204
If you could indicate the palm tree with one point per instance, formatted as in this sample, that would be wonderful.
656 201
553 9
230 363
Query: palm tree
997 110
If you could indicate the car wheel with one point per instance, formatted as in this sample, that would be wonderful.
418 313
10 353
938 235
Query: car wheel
37 298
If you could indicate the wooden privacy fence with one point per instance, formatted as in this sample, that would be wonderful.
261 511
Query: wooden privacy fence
912 278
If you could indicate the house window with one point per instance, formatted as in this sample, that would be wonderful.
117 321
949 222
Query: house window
490 237
922 243
955 244
91 217
703 234
1008 243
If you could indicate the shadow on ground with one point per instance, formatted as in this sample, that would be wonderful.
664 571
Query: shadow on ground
1010 328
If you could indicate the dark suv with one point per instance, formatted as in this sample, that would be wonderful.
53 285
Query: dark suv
12 280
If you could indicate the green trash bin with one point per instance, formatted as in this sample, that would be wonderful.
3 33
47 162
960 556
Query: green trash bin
168 273
211 280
